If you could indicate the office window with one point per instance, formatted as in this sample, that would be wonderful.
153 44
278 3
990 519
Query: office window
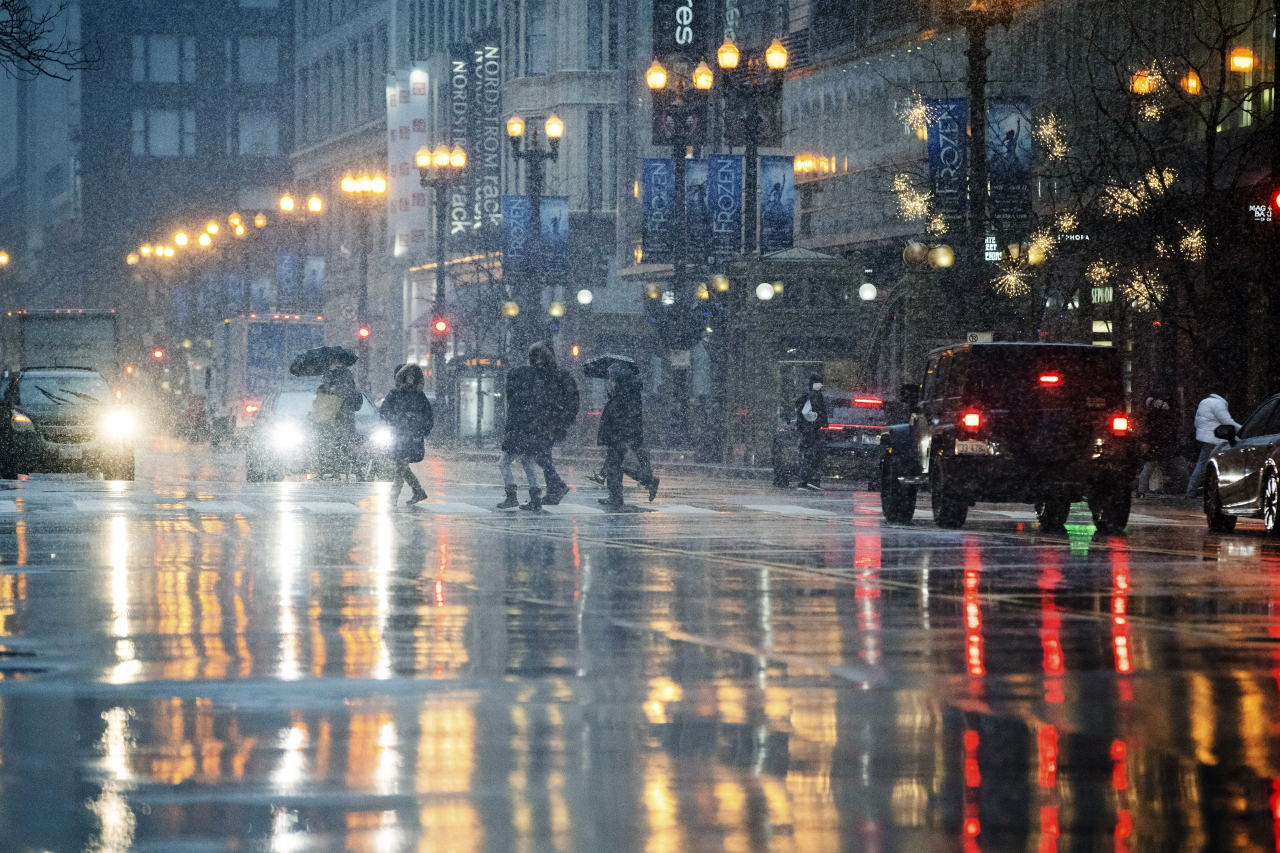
259 59
164 133
535 37
595 159
164 59
259 134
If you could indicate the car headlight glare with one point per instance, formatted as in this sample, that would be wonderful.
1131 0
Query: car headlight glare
21 423
118 423
381 437
286 436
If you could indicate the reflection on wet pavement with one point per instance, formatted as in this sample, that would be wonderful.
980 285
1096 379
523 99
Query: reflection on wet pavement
205 666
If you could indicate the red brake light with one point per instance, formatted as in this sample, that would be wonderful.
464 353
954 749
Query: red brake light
1120 424
971 420
250 409
1050 379
867 403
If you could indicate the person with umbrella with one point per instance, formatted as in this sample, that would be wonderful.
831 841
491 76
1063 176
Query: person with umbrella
407 411
622 431
337 401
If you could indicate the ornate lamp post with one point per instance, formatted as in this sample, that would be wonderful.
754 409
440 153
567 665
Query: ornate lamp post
529 291
440 170
749 89
300 215
360 190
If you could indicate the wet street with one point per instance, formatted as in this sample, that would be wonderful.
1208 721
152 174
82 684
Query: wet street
193 663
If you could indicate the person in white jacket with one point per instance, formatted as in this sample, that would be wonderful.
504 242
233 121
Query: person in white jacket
1210 414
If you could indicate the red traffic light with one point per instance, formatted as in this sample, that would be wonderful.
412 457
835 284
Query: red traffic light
363 332
157 354
440 325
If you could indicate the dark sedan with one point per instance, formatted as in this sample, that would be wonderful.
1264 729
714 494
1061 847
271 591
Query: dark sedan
1243 480
282 440
852 438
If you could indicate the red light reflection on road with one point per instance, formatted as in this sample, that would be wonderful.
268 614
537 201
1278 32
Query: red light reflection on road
1047 746
972 781
1050 631
1049 829
973 613
1120 618
866 567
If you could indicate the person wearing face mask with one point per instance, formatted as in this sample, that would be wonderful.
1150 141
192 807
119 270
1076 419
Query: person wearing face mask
811 417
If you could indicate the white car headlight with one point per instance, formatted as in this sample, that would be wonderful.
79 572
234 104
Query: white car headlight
381 437
118 423
286 436
21 423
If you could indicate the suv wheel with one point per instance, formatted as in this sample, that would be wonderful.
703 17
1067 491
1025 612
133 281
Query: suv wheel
1110 508
1271 503
1052 512
1219 521
897 502
949 510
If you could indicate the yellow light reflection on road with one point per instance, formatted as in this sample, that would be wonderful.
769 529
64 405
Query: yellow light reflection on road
127 665
116 822
291 771
288 564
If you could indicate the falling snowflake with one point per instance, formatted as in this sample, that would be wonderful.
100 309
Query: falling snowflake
1049 134
912 203
1193 244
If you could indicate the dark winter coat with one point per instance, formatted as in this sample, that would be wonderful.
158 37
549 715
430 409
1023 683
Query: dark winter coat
808 431
1160 431
567 403
408 412
341 383
622 421
532 396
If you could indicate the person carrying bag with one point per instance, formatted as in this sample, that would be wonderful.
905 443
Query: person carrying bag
407 411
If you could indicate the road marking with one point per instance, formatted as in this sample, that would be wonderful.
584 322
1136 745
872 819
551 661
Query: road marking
449 508
789 509
330 507
8 506
572 509
221 507
84 505
684 509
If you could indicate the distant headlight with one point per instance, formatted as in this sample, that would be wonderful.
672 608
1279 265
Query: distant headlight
118 423
381 437
286 436
22 423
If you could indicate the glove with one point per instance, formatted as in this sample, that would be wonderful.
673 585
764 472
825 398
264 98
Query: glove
808 413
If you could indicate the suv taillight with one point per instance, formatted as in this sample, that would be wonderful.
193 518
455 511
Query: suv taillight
1120 424
971 420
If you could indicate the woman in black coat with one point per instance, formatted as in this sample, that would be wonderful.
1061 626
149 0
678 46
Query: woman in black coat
408 412
811 417
622 430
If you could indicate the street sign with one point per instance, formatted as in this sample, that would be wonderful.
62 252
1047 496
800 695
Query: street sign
978 338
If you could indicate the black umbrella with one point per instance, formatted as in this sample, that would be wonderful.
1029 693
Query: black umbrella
314 362
598 367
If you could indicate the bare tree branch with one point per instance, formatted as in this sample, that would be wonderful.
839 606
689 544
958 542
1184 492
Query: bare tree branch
36 44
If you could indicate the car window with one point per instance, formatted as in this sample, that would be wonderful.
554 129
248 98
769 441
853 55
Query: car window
1257 424
957 371
296 403
67 389
930 380
1273 426
1015 377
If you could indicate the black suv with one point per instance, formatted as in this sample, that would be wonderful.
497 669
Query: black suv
1044 424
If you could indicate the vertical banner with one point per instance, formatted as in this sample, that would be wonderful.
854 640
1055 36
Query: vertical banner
393 158
724 202
947 127
461 132
286 282
404 159
555 237
211 300
515 234
1009 157
313 284
233 297
697 218
683 28
260 294
419 111
657 188
777 203
484 157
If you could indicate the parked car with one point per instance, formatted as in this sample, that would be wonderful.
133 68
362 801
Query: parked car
852 438
282 441
1044 424
1243 478
64 419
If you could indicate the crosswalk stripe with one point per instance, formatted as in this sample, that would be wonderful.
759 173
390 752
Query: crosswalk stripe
790 509
329 507
573 509
8 506
450 508
84 505
683 509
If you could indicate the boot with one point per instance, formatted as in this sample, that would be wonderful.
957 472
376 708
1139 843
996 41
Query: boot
535 500
555 493
512 501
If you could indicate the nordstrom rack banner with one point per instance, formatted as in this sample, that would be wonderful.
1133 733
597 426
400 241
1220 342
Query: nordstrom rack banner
554 233
476 124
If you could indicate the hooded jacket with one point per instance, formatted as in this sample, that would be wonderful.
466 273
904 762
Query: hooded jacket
408 412
622 420
1211 414
533 410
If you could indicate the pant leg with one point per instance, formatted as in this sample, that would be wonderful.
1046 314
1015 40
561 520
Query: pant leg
410 478
613 457
1197 476
810 461
642 473
504 468
530 469
548 466
397 482
1144 476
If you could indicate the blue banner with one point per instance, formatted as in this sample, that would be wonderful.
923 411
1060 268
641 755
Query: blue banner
697 212
178 306
313 284
515 234
1009 156
657 189
724 202
211 303
555 237
286 281
777 203
948 123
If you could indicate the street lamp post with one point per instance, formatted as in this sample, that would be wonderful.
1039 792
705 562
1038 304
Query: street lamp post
748 91
529 324
360 190
300 215
440 170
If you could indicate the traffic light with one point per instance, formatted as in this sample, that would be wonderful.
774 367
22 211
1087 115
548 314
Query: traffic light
440 326
363 333
157 354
